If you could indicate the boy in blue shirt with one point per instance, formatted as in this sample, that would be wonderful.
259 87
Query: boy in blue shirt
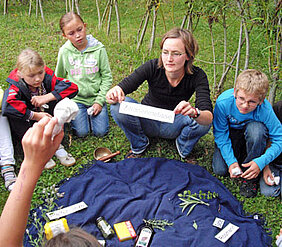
243 122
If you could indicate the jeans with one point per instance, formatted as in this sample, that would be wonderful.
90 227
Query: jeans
247 144
185 130
6 145
83 123
274 190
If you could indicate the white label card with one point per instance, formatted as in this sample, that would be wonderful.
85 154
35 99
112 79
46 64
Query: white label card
146 111
66 211
218 222
226 232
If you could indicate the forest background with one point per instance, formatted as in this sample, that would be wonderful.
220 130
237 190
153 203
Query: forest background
232 34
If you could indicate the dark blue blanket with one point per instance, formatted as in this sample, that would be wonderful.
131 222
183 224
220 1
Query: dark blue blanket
137 189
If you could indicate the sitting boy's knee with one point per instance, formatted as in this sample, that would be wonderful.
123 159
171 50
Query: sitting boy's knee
256 132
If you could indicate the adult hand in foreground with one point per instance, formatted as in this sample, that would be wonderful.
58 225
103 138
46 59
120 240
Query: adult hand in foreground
115 95
185 108
39 147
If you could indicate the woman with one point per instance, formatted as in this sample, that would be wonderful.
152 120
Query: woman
172 81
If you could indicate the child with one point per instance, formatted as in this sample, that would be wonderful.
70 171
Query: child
33 93
272 188
39 147
243 121
7 161
83 59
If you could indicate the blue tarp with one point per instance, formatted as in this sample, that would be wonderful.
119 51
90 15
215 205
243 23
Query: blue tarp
148 188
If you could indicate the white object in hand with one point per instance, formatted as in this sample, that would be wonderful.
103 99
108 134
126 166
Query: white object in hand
236 171
65 111
275 181
90 110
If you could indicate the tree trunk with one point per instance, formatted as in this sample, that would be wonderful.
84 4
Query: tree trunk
153 31
109 18
98 13
77 7
118 21
144 30
41 10
239 52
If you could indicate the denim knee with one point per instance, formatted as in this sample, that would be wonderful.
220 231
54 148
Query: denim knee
256 132
218 164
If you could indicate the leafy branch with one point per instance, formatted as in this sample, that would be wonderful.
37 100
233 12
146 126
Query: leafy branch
158 224
193 200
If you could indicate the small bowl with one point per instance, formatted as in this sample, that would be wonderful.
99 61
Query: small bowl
101 152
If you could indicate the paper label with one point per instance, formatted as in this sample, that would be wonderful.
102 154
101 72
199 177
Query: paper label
66 211
146 111
218 222
226 233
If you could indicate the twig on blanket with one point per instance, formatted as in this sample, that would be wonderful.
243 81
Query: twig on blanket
193 200
158 223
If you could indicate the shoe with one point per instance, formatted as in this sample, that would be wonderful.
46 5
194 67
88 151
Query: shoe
50 164
178 150
67 160
9 176
131 155
248 188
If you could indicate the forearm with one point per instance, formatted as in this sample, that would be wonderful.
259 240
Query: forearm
205 118
15 213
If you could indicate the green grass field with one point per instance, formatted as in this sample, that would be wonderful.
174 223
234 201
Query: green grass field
19 31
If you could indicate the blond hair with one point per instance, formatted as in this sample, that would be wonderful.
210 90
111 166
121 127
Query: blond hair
254 82
190 44
29 60
68 17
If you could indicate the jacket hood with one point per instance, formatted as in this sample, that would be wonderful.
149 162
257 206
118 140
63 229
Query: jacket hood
92 45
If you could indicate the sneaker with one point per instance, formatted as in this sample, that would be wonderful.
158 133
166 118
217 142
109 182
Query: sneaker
50 164
65 158
9 175
178 150
248 188
131 155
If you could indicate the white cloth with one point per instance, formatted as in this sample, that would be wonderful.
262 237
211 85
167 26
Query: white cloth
279 241
65 111
6 145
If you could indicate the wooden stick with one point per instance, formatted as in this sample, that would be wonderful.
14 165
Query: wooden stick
109 156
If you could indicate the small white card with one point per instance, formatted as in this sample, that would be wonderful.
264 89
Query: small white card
218 222
66 211
226 232
146 111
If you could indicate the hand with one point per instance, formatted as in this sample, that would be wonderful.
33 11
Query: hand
39 115
96 109
185 109
252 172
38 145
115 95
231 167
267 173
38 101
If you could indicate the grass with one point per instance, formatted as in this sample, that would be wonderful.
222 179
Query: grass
18 31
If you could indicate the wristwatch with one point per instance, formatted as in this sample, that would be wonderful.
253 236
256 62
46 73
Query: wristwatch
198 113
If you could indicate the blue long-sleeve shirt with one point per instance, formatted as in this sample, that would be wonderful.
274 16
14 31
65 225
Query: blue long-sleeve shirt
227 115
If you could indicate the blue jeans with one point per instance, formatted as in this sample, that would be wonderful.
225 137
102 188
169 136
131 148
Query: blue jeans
274 190
247 144
83 123
185 130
